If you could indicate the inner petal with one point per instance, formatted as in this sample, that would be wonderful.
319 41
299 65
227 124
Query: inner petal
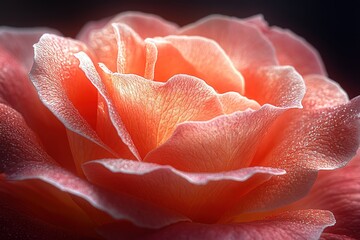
197 56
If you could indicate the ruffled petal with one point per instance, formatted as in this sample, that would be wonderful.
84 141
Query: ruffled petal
321 92
225 143
146 25
291 49
339 192
306 224
191 194
243 43
30 175
302 143
280 86
232 102
148 111
64 88
17 91
199 57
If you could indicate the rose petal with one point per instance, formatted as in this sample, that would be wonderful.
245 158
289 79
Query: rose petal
132 53
17 91
64 88
191 194
232 102
146 25
302 143
277 85
244 44
148 111
25 163
221 144
196 56
306 224
291 49
322 92
339 192
19 41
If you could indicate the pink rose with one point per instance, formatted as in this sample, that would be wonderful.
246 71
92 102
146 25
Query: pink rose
141 129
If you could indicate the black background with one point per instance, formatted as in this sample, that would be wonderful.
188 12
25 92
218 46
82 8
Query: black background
332 27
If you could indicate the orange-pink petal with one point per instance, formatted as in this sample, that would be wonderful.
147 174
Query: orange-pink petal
291 49
321 92
199 57
225 143
64 89
243 43
191 194
29 174
146 25
276 85
302 143
339 192
147 112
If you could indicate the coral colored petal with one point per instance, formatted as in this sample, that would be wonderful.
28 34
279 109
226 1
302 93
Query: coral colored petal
146 25
108 113
322 92
307 224
24 162
148 111
302 143
295 51
191 194
63 87
244 44
225 143
151 110
291 49
131 50
232 102
339 192
17 91
277 85
199 57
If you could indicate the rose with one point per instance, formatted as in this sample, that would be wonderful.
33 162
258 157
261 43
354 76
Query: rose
206 133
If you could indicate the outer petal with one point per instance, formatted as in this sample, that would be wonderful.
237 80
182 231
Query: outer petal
64 88
339 192
18 42
322 92
244 44
17 91
199 57
303 142
279 86
34 177
291 49
307 224
191 194
146 25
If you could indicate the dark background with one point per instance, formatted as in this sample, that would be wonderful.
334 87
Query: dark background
332 27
